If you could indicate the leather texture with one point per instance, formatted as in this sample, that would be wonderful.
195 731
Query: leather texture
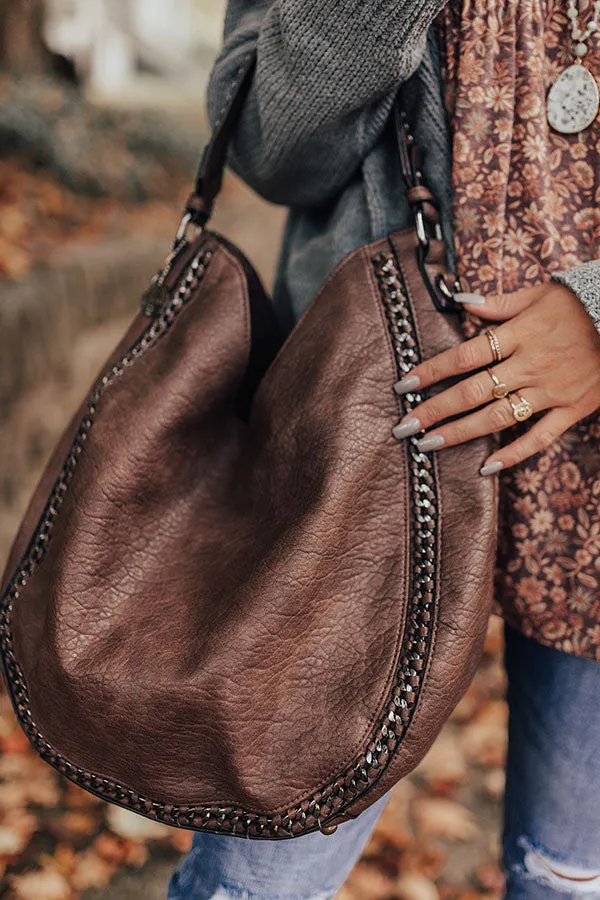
221 608
236 603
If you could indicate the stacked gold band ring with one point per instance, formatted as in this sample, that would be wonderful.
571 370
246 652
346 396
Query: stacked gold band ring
494 344
522 409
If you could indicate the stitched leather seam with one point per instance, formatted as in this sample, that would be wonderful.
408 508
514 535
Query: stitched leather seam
299 326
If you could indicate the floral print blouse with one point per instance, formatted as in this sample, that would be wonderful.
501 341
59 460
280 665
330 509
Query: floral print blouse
527 205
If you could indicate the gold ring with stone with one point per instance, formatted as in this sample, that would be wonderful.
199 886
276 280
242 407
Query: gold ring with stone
500 390
522 410
494 344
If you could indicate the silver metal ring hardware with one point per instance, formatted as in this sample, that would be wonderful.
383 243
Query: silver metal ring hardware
445 290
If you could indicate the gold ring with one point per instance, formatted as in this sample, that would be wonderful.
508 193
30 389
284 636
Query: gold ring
500 390
494 344
522 410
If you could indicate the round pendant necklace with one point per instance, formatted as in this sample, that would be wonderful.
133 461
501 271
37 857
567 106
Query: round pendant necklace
573 99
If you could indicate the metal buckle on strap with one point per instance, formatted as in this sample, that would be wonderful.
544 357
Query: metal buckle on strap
421 230
447 291
183 227
184 231
156 294
421 226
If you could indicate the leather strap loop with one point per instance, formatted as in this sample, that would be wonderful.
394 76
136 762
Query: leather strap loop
196 205
431 213
422 197
419 194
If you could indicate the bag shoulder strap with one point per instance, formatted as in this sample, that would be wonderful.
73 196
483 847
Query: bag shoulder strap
210 173
209 179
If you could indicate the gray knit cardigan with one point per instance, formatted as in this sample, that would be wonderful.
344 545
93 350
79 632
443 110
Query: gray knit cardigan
316 133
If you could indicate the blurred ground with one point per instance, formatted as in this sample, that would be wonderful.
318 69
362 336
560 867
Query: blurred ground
439 837
127 154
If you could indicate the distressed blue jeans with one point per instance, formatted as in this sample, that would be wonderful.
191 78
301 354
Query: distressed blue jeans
552 808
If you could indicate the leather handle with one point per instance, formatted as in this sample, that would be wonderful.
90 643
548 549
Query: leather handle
419 196
209 179
210 173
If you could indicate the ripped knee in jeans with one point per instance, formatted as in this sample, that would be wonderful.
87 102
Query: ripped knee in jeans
562 876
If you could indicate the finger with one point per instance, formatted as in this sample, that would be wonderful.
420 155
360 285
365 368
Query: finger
460 360
468 394
537 439
489 419
501 307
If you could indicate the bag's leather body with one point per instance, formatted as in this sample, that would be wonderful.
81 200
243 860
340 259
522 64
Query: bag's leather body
236 603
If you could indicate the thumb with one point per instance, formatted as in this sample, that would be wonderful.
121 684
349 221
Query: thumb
500 307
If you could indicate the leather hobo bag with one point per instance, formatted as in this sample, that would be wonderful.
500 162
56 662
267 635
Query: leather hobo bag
236 604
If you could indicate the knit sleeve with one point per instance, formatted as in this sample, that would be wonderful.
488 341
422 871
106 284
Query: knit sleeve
326 76
584 281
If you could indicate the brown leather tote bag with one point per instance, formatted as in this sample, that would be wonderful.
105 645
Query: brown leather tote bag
236 604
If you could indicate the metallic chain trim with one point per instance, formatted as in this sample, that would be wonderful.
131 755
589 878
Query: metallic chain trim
341 792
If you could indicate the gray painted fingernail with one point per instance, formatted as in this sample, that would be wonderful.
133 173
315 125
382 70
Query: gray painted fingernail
406 428
491 468
469 299
430 442
410 383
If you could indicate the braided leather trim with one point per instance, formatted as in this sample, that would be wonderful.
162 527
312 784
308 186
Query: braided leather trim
339 794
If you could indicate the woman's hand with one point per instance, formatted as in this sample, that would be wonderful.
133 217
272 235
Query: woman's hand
550 356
